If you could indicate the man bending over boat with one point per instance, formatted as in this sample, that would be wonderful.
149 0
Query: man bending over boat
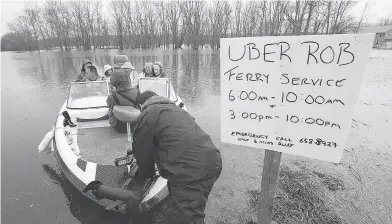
184 153
124 95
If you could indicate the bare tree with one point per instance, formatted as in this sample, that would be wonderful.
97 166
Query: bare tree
319 19
175 18
215 16
295 16
363 16
41 24
17 28
136 24
342 23
313 5
78 27
163 34
151 18
126 12
385 21
277 23
250 20
22 27
236 27
119 23
32 18
52 15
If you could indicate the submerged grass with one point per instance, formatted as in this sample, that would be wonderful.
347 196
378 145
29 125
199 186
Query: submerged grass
297 198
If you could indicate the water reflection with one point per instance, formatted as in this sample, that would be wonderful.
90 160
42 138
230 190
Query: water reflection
35 85
42 71
184 89
186 68
195 78
215 73
194 74
174 70
107 59
81 207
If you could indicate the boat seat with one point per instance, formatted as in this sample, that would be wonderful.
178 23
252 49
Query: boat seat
127 114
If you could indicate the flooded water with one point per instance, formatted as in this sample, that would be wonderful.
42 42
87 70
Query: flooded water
34 87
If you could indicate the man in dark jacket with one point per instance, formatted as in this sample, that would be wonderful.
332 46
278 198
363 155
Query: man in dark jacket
124 95
185 155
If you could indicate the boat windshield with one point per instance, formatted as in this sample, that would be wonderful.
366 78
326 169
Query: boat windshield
84 95
162 86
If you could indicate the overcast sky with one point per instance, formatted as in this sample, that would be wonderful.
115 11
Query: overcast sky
11 9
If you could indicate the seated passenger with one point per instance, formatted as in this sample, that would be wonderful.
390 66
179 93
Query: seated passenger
90 75
121 62
147 70
157 70
107 71
133 75
83 72
125 95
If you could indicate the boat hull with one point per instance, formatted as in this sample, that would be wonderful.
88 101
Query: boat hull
80 172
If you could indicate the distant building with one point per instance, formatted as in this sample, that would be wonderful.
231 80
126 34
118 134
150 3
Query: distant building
383 35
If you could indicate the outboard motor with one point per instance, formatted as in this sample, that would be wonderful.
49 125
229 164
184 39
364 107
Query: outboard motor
101 191
131 199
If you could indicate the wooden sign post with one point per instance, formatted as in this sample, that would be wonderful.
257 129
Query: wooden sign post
269 180
291 95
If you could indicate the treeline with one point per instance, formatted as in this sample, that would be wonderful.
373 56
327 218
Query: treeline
169 24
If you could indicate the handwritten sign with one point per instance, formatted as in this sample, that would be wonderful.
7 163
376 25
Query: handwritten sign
293 94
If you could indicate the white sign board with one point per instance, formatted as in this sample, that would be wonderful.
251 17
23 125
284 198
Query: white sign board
292 94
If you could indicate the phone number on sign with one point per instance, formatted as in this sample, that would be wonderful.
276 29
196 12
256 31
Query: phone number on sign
317 142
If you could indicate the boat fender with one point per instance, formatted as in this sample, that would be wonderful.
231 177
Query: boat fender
45 141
